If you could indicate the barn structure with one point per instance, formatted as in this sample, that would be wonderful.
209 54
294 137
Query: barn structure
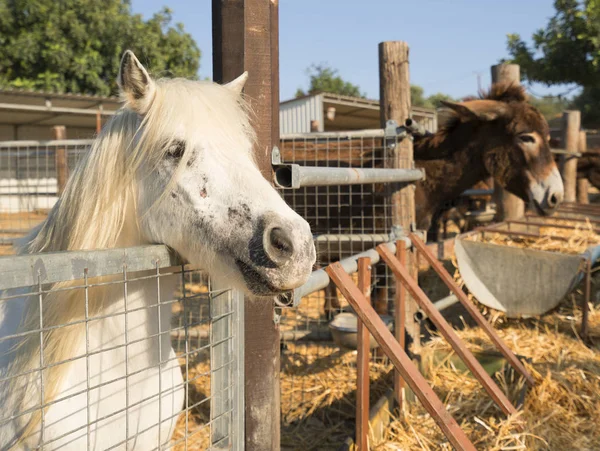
327 112
31 115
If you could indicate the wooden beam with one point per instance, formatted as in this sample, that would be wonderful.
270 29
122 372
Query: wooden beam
61 158
446 330
400 360
245 38
471 308
583 185
395 104
571 124
362 361
508 206
400 323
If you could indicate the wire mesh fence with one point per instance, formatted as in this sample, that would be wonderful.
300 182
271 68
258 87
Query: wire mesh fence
29 182
346 220
118 349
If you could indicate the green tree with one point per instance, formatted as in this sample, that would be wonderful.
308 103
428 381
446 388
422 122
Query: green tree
566 51
325 79
76 45
417 96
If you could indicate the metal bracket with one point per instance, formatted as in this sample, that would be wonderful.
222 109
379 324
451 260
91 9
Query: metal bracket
275 156
286 300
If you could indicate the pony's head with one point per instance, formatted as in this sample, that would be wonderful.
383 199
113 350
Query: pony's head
513 138
199 190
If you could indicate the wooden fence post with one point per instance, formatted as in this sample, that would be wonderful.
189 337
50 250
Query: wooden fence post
583 184
508 206
571 125
61 159
245 37
395 103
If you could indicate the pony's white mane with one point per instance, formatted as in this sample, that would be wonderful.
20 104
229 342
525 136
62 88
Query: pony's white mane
103 183
98 207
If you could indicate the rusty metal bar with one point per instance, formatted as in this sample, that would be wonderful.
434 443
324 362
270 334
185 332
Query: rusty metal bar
565 218
579 208
400 323
522 234
545 224
401 361
457 344
585 308
362 361
471 308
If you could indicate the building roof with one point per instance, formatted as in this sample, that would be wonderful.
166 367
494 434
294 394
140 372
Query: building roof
351 113
22 107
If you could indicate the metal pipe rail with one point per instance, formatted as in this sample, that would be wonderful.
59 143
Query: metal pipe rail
294 176
319 279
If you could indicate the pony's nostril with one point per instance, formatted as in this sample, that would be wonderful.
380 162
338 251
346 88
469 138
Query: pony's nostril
279 245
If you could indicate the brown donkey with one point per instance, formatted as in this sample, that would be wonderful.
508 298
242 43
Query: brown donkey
499 135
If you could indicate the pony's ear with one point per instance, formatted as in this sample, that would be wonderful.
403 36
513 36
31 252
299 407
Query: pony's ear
238 84
477 110
137 88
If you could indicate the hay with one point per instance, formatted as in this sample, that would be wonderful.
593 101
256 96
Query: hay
561 411
580 238
318 394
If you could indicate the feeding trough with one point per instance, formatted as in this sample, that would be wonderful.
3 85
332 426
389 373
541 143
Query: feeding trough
523 282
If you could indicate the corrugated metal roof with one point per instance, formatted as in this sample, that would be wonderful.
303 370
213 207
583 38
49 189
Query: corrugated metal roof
351 113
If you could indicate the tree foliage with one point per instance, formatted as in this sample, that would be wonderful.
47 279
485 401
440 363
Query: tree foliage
76 45
566 51
325 79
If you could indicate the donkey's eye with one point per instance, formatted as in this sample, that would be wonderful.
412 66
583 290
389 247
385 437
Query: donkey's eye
176 150
529 139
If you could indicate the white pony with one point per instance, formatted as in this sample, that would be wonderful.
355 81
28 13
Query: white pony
174 166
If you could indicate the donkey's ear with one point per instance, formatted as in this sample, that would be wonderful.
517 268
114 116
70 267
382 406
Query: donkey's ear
462 111
238 84
137 88
477 110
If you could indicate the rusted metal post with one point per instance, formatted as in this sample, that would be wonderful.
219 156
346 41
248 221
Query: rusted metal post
571 125
583 186
60 158
245 38
395 104
399 323
400 360
362 361
471 308
585 308
508 206
446 330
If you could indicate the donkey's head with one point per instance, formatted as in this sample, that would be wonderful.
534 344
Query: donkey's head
199 190
513 136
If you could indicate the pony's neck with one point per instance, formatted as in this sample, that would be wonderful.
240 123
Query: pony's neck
457 169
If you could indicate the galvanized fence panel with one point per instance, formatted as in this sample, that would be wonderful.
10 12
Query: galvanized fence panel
346 220
29 182
205 331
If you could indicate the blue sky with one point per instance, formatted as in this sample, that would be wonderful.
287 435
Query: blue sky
450 40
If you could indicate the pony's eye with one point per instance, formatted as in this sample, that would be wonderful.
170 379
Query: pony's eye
529 139
176 150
